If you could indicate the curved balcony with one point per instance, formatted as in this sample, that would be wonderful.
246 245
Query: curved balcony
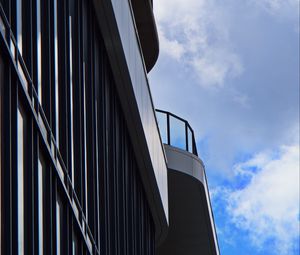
191 222
176 131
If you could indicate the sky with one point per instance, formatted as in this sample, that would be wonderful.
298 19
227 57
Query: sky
231 68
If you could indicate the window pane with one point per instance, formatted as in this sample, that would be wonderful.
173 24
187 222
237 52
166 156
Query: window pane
59 222
162 124
75 250
39 49
1 86
20 181
177 133
41 170
190 140
71 100
19 25
56 72
85 141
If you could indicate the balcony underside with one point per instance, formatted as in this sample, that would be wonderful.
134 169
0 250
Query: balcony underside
191 228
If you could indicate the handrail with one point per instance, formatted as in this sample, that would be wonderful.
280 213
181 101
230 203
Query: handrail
185 139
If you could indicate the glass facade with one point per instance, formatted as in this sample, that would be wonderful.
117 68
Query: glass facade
20 179
75 245
19 26
1 117
41 191
72 183
59 227
39 48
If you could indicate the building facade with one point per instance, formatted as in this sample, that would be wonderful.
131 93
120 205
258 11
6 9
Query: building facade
83 169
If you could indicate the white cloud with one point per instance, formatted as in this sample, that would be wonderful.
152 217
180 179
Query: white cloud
196 33
279 7
268 206
174 48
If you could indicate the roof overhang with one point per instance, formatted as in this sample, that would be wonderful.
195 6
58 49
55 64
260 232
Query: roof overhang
191 224
147 31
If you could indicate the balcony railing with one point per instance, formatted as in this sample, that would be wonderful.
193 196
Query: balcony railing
176 131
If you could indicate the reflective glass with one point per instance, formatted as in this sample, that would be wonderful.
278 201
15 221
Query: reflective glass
177 133
20 182
19 25
75 250
2 27
58 226
71 100
41 170
190 140
1 85
85 140
39 48
162 124
56 72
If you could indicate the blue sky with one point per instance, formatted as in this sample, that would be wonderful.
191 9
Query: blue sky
231 68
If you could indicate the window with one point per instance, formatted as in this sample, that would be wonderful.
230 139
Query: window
56 79
59 227
85 142
75 244
20 179
39 48
71 99
1 114
41 174
19 26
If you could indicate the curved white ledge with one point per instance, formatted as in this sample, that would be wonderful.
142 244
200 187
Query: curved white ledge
191 224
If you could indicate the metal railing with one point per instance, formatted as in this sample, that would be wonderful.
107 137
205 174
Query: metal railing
176 131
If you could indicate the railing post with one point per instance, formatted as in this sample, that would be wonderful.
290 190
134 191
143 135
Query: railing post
186 137
168 129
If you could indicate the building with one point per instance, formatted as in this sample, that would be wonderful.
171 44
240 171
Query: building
191 223
82 165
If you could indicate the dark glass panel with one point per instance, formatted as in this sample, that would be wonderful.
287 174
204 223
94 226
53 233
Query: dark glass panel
39 48
41 202
19 26
59 226
56 70
1 116
20 178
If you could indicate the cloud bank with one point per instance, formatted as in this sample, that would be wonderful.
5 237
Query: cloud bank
247 54
196 33
267 205
279 7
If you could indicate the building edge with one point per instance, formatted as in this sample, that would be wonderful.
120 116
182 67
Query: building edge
129 66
